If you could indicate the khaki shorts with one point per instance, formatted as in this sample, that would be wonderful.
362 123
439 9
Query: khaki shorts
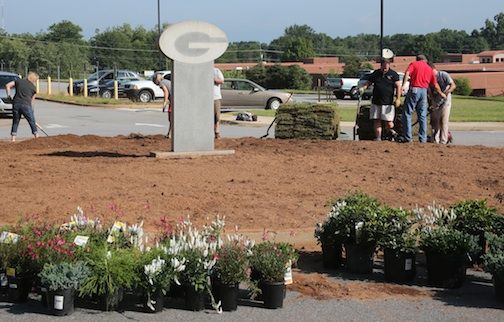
382 112
216 108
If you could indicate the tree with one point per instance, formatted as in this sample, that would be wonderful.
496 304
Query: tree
14 54
353 65
64 31
257 74
493 32
298 78
297 49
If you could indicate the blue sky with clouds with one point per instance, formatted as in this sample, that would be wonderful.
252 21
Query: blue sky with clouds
255 20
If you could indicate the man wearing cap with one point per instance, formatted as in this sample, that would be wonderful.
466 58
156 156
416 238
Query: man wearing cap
421 76
386 82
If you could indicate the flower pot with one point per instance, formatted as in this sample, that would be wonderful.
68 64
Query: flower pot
399 267
498 282
110 301
331 254
175 291
61 302
446 270
194 299
43 296
157 302
215 283
19 288
272 294
359 258
228 297
4 282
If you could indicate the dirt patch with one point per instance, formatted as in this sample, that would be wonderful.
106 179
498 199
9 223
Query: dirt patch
280 185
321 287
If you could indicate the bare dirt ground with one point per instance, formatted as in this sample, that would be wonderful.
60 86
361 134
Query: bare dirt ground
270 184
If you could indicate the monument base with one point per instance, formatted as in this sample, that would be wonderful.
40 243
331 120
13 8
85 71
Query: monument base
189 155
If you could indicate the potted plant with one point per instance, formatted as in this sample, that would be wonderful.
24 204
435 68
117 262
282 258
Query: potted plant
112 270
327 235
398 241
270 265
61 281
358 228
158 270
197 250
446 248
18 267
494 263
474 217
230 270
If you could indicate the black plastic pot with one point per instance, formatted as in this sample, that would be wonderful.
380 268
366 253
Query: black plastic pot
158 306
175 291
110 301
499 287
331 254
61 302
194 300
400 267
446 270
215 283
272 294
359 258
19 288
43 296
228 297
4 282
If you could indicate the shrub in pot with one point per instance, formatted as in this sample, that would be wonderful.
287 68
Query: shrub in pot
327 235
474 217
493 261
270 264
398 241
61 281
230 270
357 224
19 270
112 270
446 250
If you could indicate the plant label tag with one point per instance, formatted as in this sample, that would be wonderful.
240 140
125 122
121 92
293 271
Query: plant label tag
116 228
12 285
408 264
81 240
11 272
58 302
8 238
288 274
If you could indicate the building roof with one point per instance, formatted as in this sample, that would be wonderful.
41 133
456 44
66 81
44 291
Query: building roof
490 53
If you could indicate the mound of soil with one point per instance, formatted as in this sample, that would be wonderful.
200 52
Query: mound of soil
273 184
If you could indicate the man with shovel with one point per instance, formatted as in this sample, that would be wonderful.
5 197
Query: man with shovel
22 103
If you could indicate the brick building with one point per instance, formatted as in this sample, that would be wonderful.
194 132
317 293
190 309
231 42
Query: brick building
485 71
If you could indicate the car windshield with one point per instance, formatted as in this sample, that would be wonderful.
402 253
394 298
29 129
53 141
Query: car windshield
96 75
4 79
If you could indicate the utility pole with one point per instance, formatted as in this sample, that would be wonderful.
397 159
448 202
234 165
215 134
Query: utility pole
381 29
160 56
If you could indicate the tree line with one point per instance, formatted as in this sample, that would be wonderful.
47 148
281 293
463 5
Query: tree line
63 51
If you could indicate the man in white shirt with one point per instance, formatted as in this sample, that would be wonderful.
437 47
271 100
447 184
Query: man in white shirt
218 80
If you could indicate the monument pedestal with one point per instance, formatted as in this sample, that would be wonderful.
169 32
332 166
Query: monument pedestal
189 154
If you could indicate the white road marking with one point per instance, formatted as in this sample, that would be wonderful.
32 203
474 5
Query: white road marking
149 124
55 126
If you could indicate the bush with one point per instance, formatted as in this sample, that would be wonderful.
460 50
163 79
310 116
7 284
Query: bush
395 230
269 261
64 275
463 86
280 77
494 259
448 241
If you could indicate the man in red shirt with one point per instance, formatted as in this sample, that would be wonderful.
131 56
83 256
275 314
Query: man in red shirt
421 76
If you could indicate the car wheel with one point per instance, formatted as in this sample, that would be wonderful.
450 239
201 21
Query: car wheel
339 95
107 94
354 93
144 96
273 104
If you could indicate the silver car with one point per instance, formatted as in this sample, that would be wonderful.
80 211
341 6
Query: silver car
243 93
5 102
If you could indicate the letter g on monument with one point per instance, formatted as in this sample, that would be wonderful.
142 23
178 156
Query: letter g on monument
193 42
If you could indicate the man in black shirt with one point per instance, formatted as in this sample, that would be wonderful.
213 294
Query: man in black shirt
22 102
385 81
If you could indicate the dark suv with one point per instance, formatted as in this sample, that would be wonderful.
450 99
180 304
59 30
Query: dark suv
5 102
101 77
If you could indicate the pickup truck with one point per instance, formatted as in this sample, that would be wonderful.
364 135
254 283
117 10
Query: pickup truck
345 86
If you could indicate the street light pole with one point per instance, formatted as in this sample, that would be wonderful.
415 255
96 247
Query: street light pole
160 58
381 29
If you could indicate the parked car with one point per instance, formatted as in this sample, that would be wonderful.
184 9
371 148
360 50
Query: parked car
145 90
368 93
106 90
245 93
6 102
101 77
342 87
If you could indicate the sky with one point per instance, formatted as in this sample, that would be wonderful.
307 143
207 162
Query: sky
254 20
